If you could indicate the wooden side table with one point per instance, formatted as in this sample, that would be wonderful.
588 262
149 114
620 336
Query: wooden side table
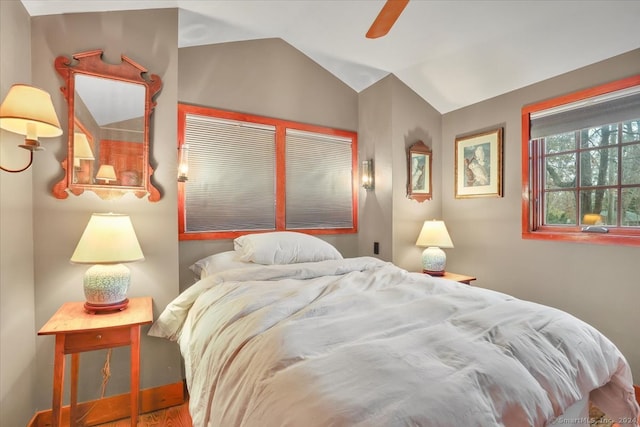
77 331
458 277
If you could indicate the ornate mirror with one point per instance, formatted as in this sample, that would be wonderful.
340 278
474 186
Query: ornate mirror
419 171
110 108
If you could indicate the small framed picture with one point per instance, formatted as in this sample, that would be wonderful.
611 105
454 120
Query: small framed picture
478 165
419 171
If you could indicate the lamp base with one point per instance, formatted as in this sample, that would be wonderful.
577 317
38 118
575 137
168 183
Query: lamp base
105 308
433 273
105 287
433 261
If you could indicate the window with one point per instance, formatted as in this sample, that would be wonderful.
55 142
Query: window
581 166
250 174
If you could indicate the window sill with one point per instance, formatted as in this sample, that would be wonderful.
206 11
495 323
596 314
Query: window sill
592 238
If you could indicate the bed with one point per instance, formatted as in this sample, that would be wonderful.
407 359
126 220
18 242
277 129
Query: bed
284 331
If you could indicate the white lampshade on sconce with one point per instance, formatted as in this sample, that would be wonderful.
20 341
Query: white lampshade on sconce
367 175
106 174
434 236
183 163
27 110
108 241
81 149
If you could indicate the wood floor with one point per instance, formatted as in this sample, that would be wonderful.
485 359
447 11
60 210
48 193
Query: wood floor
176 416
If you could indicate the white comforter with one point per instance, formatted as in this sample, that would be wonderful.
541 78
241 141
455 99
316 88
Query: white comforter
360 342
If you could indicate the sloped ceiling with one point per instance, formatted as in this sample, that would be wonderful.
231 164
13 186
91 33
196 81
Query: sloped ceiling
451 53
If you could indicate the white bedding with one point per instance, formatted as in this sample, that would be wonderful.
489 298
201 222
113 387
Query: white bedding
361 342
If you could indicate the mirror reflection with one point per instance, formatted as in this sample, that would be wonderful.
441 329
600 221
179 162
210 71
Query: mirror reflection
108 131
109 115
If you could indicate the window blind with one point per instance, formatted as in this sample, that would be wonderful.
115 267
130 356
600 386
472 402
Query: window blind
319 181
231 175
612 107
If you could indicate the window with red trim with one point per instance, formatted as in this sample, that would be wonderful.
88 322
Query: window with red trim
581 166
250 173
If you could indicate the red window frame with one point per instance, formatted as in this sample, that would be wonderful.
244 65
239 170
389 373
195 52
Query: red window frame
532 227
281 128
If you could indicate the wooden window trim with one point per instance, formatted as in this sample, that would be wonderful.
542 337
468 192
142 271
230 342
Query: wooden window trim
281 128
531 229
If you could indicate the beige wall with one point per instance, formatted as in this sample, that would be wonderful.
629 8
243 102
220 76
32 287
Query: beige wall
392 118
149 38
599 284
18 346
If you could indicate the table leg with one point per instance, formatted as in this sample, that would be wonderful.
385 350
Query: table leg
58 381
135 374
75 369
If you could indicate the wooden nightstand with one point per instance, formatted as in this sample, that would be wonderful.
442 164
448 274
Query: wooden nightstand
458 277
77 331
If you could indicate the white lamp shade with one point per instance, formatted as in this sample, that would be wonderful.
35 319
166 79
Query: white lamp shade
27 110
434 233
366 174
106 173
81 147
107 239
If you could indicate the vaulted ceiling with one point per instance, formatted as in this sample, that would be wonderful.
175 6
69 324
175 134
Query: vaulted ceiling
451 53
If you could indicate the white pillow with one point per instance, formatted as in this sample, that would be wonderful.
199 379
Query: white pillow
283 247
218 262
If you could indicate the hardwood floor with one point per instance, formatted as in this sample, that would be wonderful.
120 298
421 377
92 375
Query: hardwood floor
176 416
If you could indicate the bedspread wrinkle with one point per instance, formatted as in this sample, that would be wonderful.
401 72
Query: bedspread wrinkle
361 342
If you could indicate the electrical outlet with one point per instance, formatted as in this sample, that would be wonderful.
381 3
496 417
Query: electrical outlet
376 248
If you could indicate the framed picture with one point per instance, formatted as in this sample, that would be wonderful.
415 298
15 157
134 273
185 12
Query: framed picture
419 171
478 165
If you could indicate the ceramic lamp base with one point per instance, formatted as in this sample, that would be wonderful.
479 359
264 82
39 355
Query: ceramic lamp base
105 308
105 287
434 261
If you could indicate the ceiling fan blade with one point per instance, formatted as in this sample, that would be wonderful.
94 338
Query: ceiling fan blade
386 18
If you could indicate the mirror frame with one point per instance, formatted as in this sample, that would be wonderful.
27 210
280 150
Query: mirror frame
90 63
422 153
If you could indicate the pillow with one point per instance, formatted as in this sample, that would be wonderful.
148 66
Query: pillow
216 263
283 247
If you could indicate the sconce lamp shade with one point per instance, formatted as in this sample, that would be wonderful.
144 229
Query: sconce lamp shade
434 236
108 241
106 173
366 174
27 110
81 147
183 163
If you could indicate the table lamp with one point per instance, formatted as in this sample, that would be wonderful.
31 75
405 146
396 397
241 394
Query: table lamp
434 236
108 241
106 173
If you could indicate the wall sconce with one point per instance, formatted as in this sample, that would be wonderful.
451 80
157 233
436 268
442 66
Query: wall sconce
28 111
366 174
81 149
183 163
108 241
106 173
435 236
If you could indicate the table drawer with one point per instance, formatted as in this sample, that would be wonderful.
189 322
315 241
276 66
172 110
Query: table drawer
86 341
